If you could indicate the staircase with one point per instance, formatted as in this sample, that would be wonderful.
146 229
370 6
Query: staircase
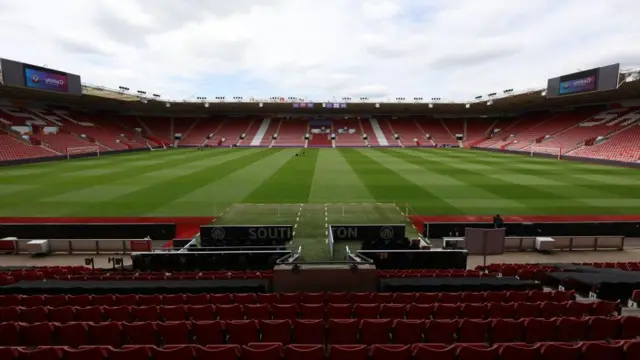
382 140
261 132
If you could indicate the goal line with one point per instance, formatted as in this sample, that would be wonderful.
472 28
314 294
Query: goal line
71 151
547 150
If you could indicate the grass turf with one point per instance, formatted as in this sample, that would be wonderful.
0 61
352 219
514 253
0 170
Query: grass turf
327 186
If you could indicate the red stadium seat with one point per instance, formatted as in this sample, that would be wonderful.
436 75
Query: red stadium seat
528 310
309 331
62 314
94 352
34 315
605 308
172 313
519 352
474 311
472 297
276 331
362 298
602 328
578 309
201 312
420 311
40 353
107 334
173 352
474 331
10 314
571 329
395 352
173 300
441 331
149 300
56 300
602 350
337 298
382 298
208 332
126 300
404 298
348 352
343 331
33 301
561 351
140 333
507 331
539 296
103 300
197 299
550 310
477 352
539 330
38 334
517 296
447 311
270 298
145 313
9 334
312 311
72 334
393 311
375 331
230 312
174 333
221 299
117 313
284 311
304 352
257 312
450 298
408 331
217 352
434 352
313 298
366 311
496 296
130 353
262 352
10 300
632 349
243 299
339 311
289 298
630 327
242 332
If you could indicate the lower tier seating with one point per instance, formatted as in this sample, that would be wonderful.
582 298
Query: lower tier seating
592 350
335 331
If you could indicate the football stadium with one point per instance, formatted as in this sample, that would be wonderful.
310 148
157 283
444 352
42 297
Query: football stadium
140 227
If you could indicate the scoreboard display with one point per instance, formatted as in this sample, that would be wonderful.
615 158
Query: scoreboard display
598 79
17 74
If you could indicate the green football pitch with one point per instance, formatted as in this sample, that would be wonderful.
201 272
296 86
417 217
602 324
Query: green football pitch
327 186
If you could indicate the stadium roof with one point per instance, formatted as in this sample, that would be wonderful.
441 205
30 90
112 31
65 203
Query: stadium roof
103 99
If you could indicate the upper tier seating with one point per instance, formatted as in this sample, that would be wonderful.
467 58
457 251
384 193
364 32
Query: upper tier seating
588 350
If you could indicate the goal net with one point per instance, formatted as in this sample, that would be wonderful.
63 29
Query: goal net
94 150
547 150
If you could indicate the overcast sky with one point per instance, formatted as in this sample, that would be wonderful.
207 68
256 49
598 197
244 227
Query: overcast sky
319 49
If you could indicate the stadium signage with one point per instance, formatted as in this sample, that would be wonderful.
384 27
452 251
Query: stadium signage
250 232
367 232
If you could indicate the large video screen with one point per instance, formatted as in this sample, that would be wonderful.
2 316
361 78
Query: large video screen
45 80
579 82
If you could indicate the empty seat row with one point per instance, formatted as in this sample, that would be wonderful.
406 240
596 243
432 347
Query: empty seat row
307 311
286 298
592 350
335 331
84 274
432 273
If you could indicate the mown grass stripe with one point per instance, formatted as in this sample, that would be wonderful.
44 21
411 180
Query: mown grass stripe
336 181
390 186
290 184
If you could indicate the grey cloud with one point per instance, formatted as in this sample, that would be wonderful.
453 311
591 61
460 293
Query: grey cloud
80 48
463 59
120 30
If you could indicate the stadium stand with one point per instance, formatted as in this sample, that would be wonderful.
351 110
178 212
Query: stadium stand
509 130
14 149
182 126
231 129
267 136
159 127
408 130
291 133
369 131
439 133
621 146
200 130
477 130
351 134
387 130
548 130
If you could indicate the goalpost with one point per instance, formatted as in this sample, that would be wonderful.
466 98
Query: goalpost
547 150
82 150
